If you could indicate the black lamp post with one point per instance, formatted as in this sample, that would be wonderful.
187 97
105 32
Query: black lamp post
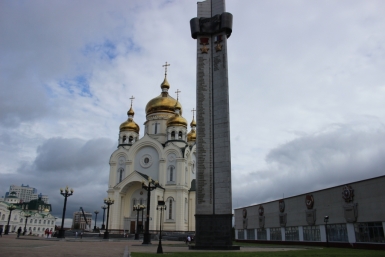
148 188
25 226
104 212
10 208
109 202
138 208
161 206
141 228
96 217
326 219
66 192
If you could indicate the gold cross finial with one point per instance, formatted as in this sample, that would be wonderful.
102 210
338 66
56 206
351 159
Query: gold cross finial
193 111
165 68
177 94
132 99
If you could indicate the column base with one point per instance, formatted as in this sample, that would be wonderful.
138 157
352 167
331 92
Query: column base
146 238
61 233
213 232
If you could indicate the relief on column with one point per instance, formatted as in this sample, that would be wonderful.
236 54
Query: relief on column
218 46
244 214
261 217
350 208
204 41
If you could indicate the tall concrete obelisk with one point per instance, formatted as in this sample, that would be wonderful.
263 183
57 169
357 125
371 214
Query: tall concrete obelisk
213 216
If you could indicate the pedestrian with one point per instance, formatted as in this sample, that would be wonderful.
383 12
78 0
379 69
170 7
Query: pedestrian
1 231
76 234
188 239
46 232
81 235
19 232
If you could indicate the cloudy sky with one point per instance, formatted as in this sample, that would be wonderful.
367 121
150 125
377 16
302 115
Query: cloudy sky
307 91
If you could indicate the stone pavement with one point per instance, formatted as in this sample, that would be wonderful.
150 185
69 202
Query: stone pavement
28 246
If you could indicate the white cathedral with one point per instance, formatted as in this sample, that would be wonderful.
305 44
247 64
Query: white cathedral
167 154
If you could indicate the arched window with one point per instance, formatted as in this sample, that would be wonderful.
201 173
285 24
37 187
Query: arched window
130 139
180 135
3 217
21 220
170 209
44 221
39 221
185 209
173 135
171 173
124 139
120 174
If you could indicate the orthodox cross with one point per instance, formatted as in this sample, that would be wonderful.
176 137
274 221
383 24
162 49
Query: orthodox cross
177 94
165 69
132 99
193 111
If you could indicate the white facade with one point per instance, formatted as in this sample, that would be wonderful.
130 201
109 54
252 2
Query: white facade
36 224
167 154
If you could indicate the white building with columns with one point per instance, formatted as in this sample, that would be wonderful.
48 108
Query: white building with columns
166 153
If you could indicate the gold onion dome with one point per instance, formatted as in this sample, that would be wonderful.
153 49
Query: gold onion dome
192 135
193 123
129 124
164 102
177 120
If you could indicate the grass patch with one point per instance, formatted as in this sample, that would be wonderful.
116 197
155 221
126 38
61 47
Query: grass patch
323 252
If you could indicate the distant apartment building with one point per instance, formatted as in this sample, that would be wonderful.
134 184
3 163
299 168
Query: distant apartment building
26 193
78 221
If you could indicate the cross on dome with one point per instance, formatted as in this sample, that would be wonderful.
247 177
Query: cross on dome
177 93
165 69
132 99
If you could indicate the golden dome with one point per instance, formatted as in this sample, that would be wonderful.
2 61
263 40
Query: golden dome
165 84
162 103
130 112
192 136
177 120
193 123
129 125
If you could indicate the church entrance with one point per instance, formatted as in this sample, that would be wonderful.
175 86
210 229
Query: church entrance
132 227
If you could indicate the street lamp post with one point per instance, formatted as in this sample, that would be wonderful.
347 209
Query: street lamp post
326 219
138 208
66 192
109 202
104 212
96 217
141 229
148 188
10 208
25 225
161 206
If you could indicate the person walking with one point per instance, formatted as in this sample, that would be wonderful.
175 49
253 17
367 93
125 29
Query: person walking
1 231
19 232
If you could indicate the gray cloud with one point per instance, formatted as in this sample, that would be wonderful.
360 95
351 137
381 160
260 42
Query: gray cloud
340 153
